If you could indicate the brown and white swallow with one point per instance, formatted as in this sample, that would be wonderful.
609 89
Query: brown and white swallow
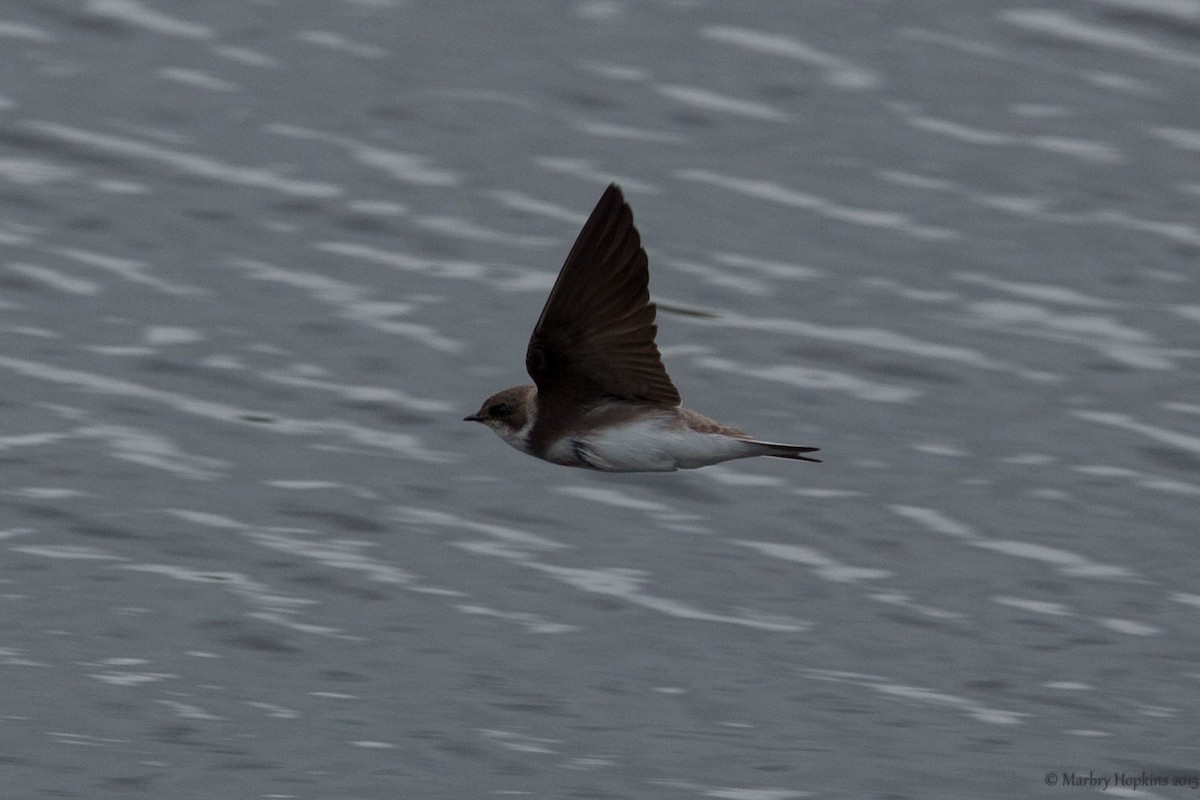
603 399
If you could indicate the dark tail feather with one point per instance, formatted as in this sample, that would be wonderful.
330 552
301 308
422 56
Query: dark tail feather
788 451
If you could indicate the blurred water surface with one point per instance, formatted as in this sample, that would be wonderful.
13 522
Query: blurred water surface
259 259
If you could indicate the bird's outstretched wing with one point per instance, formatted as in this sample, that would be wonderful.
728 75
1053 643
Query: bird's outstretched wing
595 337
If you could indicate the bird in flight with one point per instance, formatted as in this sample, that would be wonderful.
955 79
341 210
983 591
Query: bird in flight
602 398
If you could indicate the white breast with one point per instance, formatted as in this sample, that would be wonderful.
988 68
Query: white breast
652 445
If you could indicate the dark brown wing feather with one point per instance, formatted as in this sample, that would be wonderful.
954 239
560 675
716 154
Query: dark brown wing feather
596 333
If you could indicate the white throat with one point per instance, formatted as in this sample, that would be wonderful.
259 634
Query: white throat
519 438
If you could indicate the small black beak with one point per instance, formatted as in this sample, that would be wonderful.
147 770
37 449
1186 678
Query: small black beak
473 418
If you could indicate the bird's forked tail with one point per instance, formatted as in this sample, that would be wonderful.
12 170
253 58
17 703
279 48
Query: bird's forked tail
791 451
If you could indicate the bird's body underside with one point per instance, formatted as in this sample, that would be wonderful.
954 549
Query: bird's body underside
617 436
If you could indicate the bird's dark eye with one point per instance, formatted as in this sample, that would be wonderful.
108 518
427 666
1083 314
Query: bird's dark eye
500 410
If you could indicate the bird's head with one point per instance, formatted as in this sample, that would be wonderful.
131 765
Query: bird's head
508 413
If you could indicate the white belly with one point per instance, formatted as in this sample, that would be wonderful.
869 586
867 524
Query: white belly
647 446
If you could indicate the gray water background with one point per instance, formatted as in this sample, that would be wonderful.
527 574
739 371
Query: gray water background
258 259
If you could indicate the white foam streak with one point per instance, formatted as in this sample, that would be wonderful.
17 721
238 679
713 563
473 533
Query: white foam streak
129 270
1062 26
441 519
772 269
198 79
465 229
1064 561
611 497
24 32
624 584
1060 295
401 444
1166 436
434 268
711 101
363 394
518 201
1186 11
151 450
830 209
582 168
1119 342
531 622
66 551
838 71
817 379
919 695
259 594
1183 138
409 168
1036 606
610 131
188 163
333 40
823 566
33 172
54 279
350 299
138 15
1086 150
861 337
246 56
